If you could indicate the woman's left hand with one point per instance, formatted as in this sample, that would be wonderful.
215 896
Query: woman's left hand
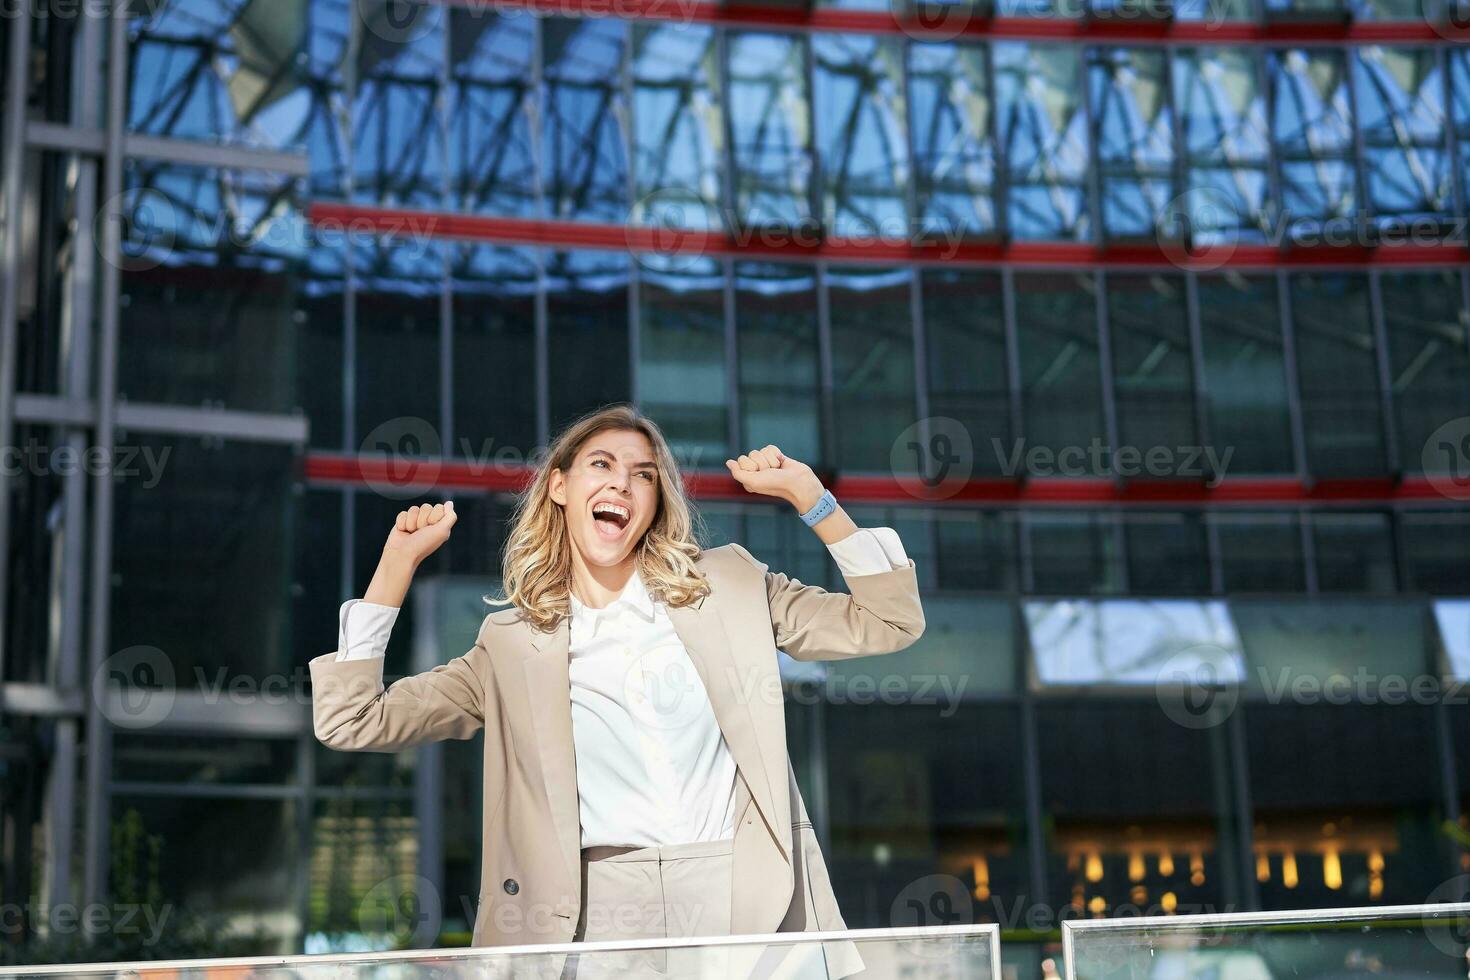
771 472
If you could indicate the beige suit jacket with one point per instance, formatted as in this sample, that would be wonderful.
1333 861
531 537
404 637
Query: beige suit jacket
513 684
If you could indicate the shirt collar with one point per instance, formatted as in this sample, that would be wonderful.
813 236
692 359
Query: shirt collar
634 597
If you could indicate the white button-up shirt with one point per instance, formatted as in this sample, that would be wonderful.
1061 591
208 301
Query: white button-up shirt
652 763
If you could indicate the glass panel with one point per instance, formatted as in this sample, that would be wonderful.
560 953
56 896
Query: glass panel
1300 647
861 134
364 877
1131 642
950 113
1152 373
228 72
1400 100
1354 552
1129 839
1341 410
1226 142
398 134
968 650
678 129
1043 128
211 288
316 574
976 550
1072 553
493 300
166 856
1166 553
779 370
1435 544
1330 831
1260 552
587 310
1133 121
681 361
872 366
1422 943
326 134
191 604
584 151
925 800
770 129
965 354
1459 61
399 299
1245 373
1426 322
492 162
1061 382
1312 129
1452 618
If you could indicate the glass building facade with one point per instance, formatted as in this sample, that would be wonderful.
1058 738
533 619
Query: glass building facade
1148 328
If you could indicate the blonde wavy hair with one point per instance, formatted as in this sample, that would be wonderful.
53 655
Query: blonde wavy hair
536 569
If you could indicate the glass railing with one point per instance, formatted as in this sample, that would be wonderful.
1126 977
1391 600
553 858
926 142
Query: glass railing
948 952
1403 942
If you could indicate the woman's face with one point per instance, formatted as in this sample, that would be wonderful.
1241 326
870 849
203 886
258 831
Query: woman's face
613 467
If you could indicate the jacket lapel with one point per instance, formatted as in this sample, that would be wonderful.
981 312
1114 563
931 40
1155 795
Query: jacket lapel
702 631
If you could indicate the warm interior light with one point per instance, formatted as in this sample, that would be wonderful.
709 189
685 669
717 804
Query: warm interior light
1263 867
1288 869
1169 901
1196 869
1094 866
1166 864
1097 906
1136 870
1331 869
982 878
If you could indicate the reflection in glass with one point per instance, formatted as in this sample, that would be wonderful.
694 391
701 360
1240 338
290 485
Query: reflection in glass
1260 551
1128 839
1153 379
779 367
583 149
1226 144
211 288
861 134
1043 130
681 360
1459 61
1061 382
1072 553
770 129
203 602
587 324
398 137
1126 641
1354 552
1167 554
1426 324
1435 543
492 162
1312 130
221 71
678 133
399 301
1400 102
493 368
1133 123
950 113
1245 373
1337 362
872 366
964 333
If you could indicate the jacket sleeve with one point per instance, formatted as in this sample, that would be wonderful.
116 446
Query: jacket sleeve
883 613
352 711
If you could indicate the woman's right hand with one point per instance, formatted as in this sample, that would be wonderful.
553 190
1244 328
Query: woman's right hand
419 531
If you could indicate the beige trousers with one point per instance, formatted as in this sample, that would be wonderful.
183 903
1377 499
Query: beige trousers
657 892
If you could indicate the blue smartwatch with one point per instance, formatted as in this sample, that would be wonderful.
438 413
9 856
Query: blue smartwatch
824 506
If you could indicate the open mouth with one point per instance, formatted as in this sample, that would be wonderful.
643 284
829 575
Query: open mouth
610 523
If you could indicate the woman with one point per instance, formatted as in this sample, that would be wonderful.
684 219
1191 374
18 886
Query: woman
636 782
